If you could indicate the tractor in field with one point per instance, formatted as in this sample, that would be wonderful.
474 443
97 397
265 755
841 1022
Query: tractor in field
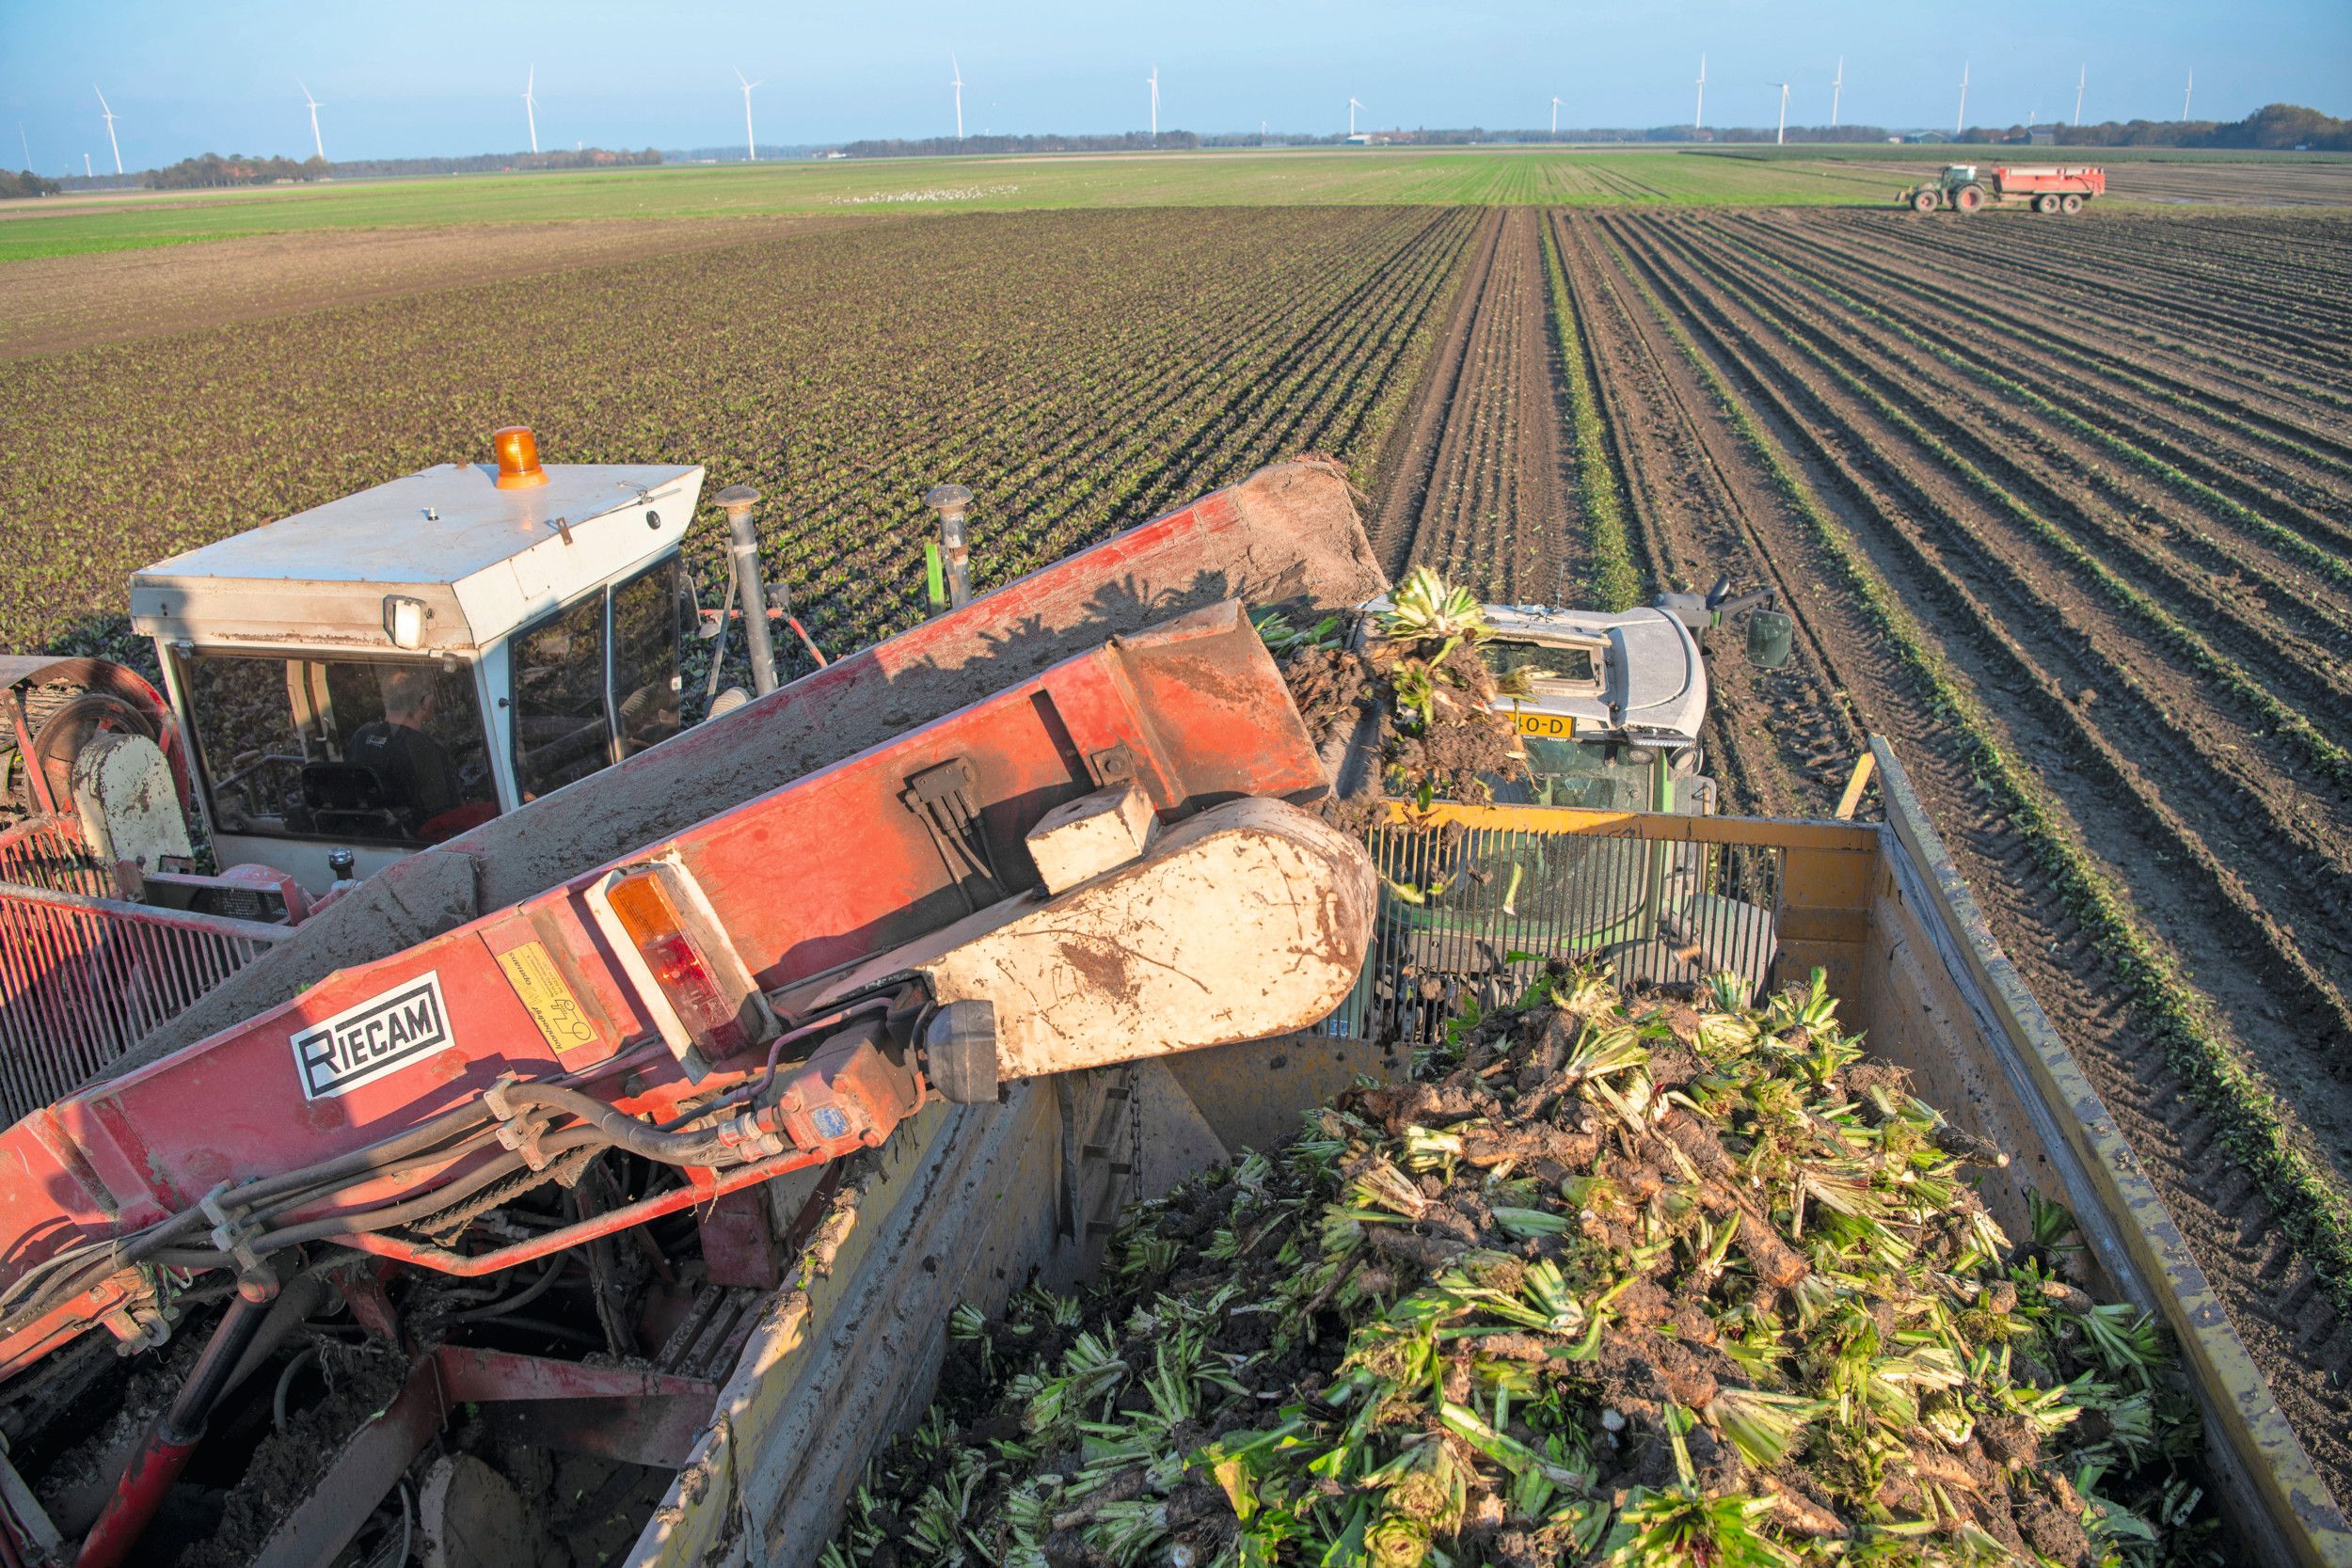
2048 189
1609 710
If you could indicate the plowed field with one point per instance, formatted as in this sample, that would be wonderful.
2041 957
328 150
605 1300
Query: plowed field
2064 508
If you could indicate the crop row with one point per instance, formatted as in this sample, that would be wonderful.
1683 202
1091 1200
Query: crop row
1903 574
1078 370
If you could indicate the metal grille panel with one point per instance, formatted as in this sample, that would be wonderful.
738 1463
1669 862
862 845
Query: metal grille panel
83 978
1475 913
49 853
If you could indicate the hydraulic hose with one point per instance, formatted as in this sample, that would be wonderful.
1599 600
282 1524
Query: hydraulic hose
141 1487
626 1132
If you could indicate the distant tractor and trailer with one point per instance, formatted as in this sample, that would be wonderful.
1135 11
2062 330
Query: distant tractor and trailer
2048 189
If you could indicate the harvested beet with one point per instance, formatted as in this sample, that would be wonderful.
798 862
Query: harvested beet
1541 1308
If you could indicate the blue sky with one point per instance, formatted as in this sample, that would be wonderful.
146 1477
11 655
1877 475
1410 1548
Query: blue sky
429 77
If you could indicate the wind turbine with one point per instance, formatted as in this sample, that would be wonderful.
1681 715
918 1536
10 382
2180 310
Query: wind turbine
751 147
1153 82
315 106
957 83
1780 137
28 146
1698 115
1352 107
1837 91
2080 77
111 117
1960 121
531 107
2185 91
1555 117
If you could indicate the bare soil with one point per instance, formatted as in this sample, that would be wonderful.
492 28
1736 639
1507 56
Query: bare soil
1483 495
57 305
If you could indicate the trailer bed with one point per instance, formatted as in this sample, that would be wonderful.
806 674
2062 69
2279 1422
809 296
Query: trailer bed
974 1202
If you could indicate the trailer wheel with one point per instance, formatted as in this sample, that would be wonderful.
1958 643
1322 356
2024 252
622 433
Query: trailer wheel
1924 201
2045 204
2071 204
1969 199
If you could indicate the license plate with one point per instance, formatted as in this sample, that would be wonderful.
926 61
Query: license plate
1557 725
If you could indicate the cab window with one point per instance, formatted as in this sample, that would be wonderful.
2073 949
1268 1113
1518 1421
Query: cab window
1590 775
646 683
351 750
596 681
1544 661
559 729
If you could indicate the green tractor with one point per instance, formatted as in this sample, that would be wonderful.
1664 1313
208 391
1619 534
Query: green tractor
1610 721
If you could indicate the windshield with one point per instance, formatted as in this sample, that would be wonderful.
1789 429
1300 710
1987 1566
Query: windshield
351 750
1542 661
1591 775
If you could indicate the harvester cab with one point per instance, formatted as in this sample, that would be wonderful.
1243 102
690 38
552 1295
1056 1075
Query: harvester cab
384 672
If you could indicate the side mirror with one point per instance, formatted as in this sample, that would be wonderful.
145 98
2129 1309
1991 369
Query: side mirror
1771 635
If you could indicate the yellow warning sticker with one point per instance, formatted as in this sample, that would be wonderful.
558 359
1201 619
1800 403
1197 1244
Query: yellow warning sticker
553 1005
1556 724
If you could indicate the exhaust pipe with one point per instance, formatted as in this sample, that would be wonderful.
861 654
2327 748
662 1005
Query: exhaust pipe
737 501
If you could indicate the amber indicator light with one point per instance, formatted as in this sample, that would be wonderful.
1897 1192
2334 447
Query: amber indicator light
517 451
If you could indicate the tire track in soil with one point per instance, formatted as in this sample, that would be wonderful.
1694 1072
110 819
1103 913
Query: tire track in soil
2059 477
2224 820
2273 1298
1493 512
1691 520
1406 484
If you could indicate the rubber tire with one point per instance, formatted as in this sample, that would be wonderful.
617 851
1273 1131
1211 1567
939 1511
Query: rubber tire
1925 201
1969 199
2071 204
2046 204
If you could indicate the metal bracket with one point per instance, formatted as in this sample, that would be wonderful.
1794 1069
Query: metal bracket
232 1235
941 796
1112 764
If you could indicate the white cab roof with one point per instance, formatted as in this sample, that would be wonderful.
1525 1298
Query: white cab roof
482 560
1653 687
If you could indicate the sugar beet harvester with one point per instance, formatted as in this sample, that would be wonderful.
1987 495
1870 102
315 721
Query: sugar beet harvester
1057 828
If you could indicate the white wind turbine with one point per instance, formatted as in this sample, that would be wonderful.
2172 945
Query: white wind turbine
1352 107
1555 116
1780 137
1837 91
1960 121
2184 93
1698 115
751 147
2080 77
958 85
531 107
1153 82
111 117
319 146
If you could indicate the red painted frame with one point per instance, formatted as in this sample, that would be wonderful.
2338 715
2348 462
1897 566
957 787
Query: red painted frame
823 871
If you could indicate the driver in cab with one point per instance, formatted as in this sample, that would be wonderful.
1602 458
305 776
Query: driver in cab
419 780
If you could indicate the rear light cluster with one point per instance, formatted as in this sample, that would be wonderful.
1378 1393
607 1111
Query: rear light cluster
693 982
